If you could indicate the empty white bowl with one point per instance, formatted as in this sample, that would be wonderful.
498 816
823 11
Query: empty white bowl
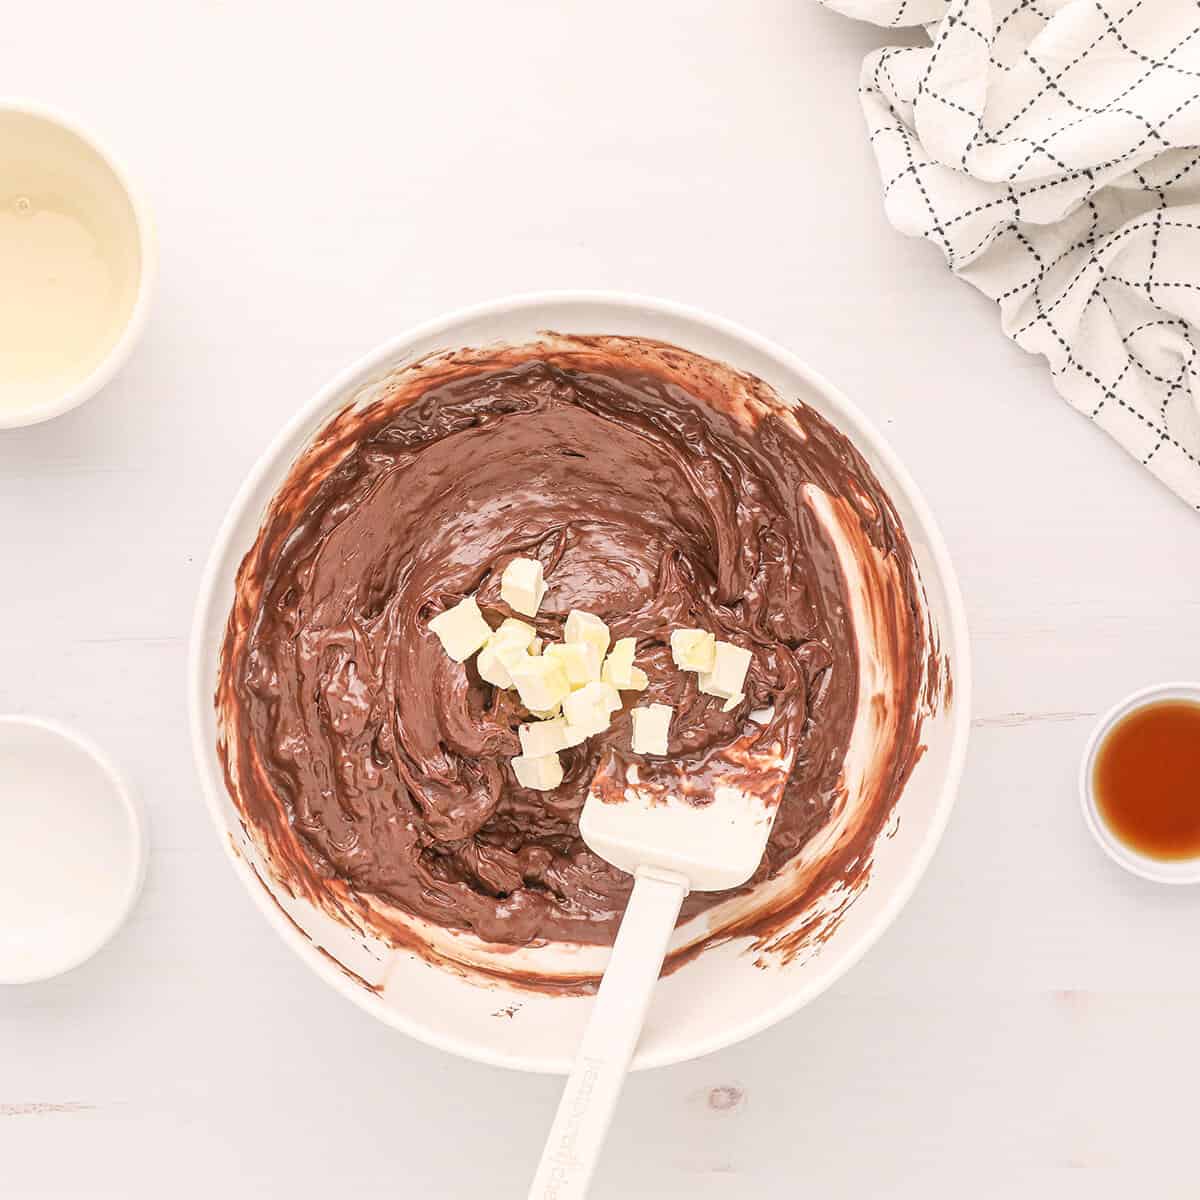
1158 870
79 253
72 849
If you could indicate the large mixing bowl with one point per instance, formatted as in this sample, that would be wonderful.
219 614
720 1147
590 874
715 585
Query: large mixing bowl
724 994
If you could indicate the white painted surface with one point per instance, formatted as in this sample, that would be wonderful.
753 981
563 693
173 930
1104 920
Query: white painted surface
325 175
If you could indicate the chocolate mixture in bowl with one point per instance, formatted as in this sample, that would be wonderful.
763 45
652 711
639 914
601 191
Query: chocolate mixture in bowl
659 490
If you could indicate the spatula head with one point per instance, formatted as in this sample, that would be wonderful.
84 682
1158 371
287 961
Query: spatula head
709 822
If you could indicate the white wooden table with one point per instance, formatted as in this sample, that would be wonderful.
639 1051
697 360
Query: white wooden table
325 175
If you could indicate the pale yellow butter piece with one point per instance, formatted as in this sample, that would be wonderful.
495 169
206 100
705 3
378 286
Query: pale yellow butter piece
491 666
543 737
511 654
547 714
522 587
543 773
651 726
540 683
517 633
618 666
580 660
507 645
733 702
693 649
586 627
639 681
461 629
730 664
588 710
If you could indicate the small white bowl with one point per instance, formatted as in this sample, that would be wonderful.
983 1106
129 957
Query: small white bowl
73 851
49 149
1158 870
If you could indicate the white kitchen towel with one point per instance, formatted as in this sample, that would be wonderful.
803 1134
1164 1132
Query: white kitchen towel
1051 150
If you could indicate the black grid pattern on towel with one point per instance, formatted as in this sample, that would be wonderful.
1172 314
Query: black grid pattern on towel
1051 150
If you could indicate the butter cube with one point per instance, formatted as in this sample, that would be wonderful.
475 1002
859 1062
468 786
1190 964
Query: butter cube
511 654
618 666
543 737
507 645
522 587
730 664
574 735
461 629
547 714
491 666
639 681
693 649
651 725
587 628
541 683
733 702
588 710
543 773
579 660
516 633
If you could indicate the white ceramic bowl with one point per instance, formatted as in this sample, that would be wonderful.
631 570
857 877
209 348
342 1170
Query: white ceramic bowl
87 179
721 996
73 854
1159 871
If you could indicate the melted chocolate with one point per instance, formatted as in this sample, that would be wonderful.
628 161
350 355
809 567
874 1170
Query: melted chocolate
659 491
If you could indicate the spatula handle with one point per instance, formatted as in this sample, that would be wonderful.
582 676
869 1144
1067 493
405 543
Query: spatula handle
588 1100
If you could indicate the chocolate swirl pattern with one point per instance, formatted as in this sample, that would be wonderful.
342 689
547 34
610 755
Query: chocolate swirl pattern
659 490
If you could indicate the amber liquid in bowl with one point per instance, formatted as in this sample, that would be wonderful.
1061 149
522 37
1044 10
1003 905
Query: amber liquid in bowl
1147 780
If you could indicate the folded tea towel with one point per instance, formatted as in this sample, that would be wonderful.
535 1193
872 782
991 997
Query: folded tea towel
1051 150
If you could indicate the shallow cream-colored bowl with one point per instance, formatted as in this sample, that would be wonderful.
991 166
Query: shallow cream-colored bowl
62 897
51 148
722 996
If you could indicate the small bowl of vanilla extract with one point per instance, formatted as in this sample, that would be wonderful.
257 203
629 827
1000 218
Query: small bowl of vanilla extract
1140 783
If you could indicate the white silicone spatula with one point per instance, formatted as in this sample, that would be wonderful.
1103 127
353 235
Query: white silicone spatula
674 833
